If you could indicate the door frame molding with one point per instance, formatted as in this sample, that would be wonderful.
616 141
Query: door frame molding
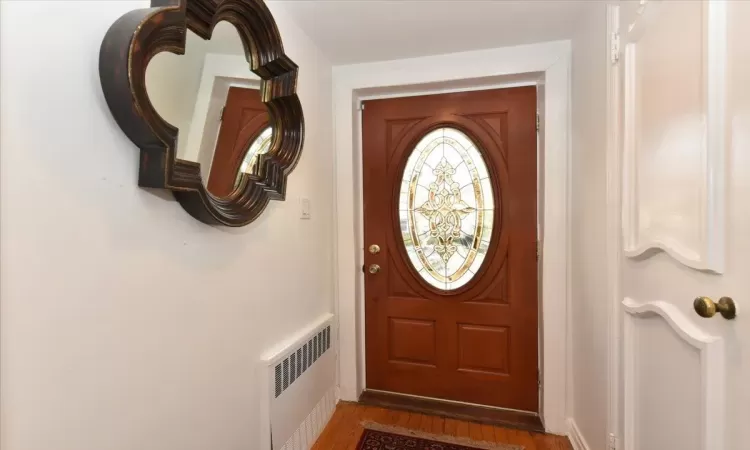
546 65
614 252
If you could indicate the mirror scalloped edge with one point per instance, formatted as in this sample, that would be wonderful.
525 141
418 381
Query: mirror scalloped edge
139 35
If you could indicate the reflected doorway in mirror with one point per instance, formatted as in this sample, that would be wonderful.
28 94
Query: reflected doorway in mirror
215 104
243 135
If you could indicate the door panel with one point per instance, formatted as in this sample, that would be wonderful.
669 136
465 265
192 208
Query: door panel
472 342
412 341
452 312
685 137
670 370
674 130
657 426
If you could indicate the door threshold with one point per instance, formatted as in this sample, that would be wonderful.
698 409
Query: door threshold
509 418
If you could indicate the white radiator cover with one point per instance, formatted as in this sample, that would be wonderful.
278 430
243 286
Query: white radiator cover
308 431
299 387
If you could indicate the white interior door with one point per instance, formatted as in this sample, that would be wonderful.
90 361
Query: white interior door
684 70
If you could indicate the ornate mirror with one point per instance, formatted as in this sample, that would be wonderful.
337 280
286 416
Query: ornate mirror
204 89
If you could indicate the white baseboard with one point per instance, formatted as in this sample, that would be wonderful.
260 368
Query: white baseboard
575 436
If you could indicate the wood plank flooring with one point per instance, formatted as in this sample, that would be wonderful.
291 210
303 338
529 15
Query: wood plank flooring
459 411
345 429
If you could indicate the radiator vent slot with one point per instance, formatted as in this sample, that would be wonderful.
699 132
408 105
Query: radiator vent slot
293 366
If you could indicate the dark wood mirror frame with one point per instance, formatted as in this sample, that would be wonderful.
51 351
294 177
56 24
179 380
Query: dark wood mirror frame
138 36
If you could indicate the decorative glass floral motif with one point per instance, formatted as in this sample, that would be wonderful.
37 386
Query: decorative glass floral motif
446 208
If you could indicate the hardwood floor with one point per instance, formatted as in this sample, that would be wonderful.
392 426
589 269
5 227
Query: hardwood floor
345 429
459 411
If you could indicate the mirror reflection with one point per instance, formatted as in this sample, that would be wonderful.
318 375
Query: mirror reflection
213 98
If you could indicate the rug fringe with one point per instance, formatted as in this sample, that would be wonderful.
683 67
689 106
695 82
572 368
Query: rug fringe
483 445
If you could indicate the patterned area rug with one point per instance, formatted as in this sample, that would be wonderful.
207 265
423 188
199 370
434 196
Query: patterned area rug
383 437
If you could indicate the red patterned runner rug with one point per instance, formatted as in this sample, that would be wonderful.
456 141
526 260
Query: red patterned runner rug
384 437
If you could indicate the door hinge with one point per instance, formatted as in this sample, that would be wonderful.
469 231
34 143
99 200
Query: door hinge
538 122
612 442
221 117
538 250
361 107
538 378
615 47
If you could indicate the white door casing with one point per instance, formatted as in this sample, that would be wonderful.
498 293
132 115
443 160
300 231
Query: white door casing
547 65
680 147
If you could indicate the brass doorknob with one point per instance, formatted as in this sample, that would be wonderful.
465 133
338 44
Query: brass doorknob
374 249
374 268
705 307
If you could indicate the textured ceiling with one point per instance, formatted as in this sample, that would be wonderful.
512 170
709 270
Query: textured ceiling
351 31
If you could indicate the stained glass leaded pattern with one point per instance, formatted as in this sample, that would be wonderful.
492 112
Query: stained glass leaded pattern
259 146
446 208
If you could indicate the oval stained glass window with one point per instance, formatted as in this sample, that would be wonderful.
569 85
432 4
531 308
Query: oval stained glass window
446 208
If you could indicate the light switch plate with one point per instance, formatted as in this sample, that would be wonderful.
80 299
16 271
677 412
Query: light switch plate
304 206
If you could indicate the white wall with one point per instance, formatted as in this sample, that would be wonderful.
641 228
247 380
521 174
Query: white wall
738 335
589 308
125 323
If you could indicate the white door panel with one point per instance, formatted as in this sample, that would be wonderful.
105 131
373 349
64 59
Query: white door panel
674 129
684 105
671 399
658 428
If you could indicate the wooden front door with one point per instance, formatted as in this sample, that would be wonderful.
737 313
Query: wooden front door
244 118
450 218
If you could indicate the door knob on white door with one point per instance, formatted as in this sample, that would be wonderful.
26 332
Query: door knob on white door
705 307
